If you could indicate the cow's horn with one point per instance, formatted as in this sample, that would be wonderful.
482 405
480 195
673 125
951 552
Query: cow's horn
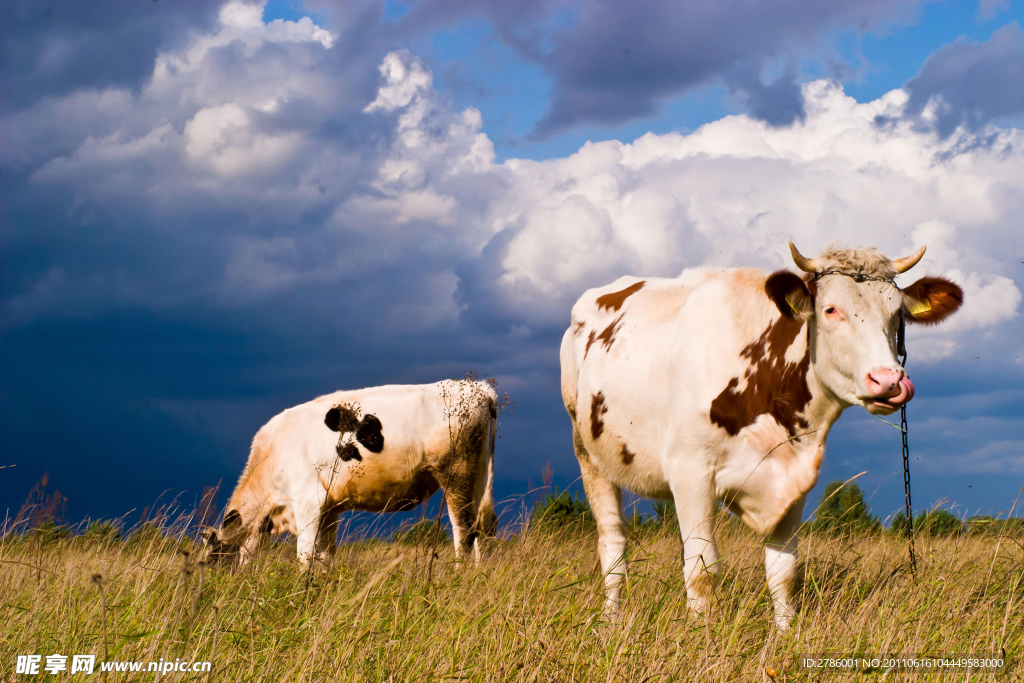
904 264
802 262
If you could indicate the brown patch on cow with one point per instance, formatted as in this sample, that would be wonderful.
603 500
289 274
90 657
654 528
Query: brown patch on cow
381 492
773 386
615 300
597 410
627 455
607 336
577 443
577 327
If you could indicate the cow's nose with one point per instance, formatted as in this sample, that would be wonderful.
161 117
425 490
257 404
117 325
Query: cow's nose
883 382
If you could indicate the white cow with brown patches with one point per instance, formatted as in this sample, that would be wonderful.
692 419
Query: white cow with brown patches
722 385
383 449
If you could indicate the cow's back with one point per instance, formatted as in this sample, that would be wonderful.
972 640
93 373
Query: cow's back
296 452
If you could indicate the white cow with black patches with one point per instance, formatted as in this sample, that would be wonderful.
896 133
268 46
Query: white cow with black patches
383 449
722 385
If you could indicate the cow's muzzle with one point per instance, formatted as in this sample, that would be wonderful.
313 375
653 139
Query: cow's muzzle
886 390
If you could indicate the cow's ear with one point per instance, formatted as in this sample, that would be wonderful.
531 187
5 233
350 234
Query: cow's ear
790 294
931 300
231 519
369 434
333 419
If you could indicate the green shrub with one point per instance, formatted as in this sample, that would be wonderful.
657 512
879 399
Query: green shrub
986 525
932 522
100 532
51 532
938 523
559 511
844 511
423 531
156 537
665 511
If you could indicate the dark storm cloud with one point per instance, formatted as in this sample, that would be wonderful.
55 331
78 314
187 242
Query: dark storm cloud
778 103
52 47
615 61
971 84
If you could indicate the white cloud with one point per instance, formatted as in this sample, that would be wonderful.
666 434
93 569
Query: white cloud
406 78
734 191
224 138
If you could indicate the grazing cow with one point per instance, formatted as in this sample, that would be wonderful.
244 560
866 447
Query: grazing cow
384 449
722 385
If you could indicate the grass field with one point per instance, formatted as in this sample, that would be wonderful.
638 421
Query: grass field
529 612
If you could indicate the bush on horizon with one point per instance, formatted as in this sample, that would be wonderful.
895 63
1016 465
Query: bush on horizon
559 511
842 509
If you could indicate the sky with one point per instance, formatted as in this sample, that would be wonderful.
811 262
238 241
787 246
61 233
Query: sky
212 212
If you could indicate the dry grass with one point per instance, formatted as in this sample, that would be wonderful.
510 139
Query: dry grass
530 612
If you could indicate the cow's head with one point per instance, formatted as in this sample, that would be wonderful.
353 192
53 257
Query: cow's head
224 543
853 312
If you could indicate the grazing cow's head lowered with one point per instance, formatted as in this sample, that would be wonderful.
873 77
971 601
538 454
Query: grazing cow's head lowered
223 544
853 310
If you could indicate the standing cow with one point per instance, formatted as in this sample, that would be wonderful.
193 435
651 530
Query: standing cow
384 449
722 385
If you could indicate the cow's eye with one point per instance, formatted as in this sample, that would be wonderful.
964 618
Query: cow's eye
830 310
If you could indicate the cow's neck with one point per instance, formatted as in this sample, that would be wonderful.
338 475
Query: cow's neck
822 410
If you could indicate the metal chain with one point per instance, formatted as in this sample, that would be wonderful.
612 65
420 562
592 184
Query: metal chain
901 350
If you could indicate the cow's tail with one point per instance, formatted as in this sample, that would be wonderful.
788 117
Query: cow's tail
487 520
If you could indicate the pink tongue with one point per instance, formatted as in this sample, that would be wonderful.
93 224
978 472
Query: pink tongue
906 392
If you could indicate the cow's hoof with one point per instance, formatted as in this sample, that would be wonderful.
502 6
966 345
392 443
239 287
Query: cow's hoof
783 619
698 604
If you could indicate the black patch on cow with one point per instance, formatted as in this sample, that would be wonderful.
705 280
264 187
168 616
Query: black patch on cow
231 519
369 434
341 418
627 455
349 452
267 527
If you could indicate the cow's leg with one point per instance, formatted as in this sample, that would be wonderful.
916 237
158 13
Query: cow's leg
695 506
780 563
307 526
483 494
327 538
605 500
462 512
